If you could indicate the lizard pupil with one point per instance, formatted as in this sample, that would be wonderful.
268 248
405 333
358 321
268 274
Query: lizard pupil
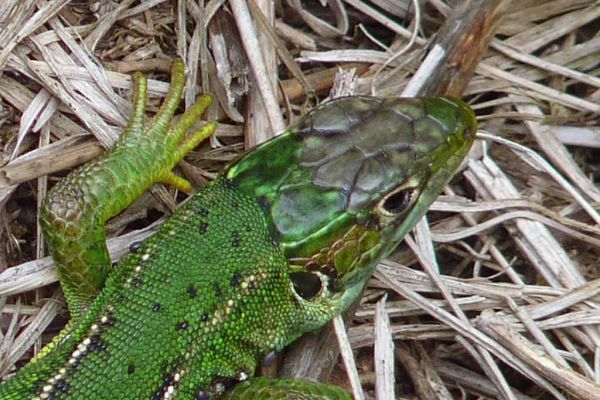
397 202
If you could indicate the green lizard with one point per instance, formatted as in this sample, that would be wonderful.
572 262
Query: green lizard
280 242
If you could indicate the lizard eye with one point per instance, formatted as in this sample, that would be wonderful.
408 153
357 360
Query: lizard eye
306 284
396 202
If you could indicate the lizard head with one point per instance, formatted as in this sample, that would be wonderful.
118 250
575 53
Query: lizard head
344 184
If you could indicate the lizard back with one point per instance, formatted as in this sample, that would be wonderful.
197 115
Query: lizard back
188 311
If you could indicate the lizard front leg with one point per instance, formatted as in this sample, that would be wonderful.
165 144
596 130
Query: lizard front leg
76 209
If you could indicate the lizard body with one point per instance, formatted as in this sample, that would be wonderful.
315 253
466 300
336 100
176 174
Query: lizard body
283 240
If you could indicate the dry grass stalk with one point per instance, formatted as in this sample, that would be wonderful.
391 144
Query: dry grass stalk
516 275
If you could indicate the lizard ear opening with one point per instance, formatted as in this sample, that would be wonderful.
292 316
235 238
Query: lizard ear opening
306 284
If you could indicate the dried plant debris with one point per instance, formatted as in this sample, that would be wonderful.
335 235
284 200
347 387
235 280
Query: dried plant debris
509 307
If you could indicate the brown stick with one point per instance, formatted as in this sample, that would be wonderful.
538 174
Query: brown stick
465 37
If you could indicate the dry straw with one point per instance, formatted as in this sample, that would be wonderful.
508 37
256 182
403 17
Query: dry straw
496 293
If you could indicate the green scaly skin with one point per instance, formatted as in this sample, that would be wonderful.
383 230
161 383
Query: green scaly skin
283 240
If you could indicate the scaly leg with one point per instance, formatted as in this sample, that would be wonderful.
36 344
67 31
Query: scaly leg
76 209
